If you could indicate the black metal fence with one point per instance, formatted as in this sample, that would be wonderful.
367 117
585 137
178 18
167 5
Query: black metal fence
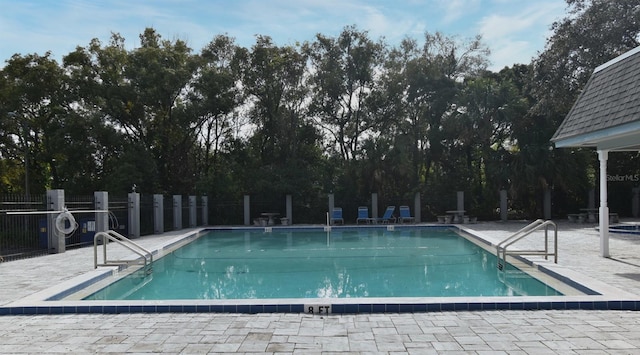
24 221
22 235
146 214
81 207
25 235
119 214
167 218
225 212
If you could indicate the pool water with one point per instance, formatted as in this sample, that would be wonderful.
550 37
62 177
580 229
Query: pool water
625 229
367 262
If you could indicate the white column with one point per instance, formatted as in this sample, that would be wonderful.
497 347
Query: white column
101 200
374 205
289 206
504 208
604 209
331 204
247 210
177 212
205 210
158 213
547 203
193 209
134 214
57 240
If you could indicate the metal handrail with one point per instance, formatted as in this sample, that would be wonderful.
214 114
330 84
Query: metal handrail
116 237
538 224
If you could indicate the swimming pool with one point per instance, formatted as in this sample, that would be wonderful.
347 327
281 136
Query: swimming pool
580 291
308 263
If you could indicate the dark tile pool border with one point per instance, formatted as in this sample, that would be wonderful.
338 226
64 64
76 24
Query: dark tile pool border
336 308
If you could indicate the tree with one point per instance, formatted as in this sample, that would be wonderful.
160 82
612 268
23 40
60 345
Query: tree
284 146
143 94
488 106
214 99
417 100
343 77
33 111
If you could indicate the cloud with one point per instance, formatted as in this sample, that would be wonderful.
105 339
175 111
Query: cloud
454 10
510 29
514 36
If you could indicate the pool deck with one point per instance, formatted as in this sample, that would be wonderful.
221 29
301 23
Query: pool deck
508 331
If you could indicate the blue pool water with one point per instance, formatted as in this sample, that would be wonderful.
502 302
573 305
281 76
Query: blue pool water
625 229
368 262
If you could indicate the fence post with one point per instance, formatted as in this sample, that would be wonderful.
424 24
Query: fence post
177 212
205 210
193 219
134 214
503 205
158 213
331 204
460 206
247 210
416 208
101 201
547 203
289 210
374 205
56 239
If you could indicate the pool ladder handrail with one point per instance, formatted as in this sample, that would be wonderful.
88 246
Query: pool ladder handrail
113 236
534 226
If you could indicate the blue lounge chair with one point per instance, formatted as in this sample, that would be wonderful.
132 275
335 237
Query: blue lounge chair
405 215
336 215
363 215
388 215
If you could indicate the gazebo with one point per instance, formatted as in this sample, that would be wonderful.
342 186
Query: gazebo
606 116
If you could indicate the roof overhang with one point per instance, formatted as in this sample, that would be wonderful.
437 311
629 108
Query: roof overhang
624 137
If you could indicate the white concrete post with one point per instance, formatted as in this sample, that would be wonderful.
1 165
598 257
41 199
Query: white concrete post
134 214
547 203
158 213
193 219
374 205
101 203
177 212
205 210
289 204
416 207
247 210
57 241
504 208
603 155
331 204
460 206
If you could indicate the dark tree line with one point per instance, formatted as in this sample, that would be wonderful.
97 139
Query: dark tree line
348 115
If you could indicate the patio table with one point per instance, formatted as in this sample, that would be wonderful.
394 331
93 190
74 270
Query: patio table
270 216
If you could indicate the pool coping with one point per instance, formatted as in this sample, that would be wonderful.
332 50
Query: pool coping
600 296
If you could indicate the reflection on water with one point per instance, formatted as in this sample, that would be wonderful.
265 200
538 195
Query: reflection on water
372 263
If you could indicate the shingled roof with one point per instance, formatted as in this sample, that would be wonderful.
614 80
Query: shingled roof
607 113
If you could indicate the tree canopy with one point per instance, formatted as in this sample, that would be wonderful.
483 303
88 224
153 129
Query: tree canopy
348 115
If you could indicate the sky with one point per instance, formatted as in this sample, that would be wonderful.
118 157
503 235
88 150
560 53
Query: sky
514 30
